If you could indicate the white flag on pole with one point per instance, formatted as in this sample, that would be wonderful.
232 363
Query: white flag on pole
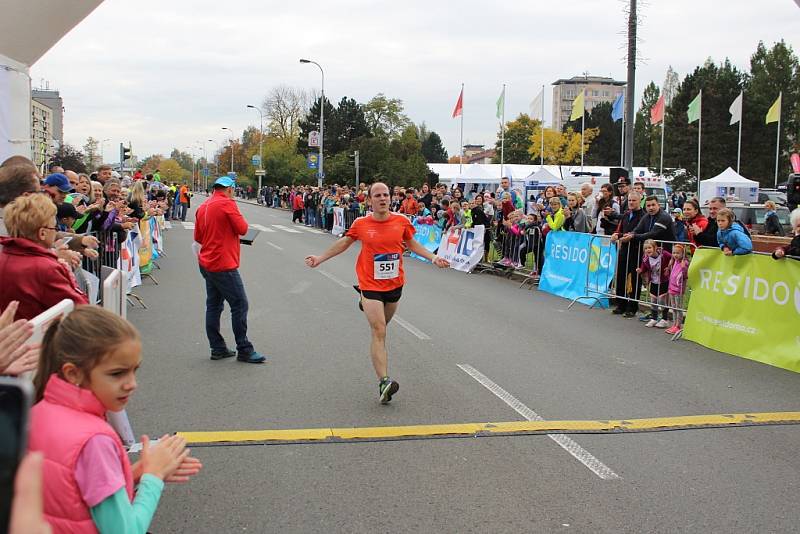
536 106
736 109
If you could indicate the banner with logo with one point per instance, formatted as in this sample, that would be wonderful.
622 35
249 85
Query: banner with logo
338 222
462 247
428 235
748 306
129 259
145 247
578 265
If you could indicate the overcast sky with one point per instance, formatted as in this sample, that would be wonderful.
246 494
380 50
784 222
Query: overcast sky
168 73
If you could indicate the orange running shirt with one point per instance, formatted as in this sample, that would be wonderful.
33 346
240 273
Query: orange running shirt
380 264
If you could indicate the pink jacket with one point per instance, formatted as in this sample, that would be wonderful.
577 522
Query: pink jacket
60 426
677 277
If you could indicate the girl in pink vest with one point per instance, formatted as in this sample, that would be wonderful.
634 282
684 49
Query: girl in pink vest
87 367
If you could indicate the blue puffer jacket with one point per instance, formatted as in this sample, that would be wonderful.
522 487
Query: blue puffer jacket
735 239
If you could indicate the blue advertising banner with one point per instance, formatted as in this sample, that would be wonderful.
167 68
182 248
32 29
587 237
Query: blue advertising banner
578 265
428 235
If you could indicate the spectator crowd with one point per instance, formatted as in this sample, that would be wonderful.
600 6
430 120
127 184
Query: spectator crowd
655 242
54 230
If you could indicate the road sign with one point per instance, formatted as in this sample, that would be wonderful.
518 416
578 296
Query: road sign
232 175
256 160
260 172
313 161
313 138
204 172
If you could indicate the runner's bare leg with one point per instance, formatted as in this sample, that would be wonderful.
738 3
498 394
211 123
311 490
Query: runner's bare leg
376 316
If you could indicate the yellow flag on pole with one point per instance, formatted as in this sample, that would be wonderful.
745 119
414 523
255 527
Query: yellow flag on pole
578 107
774 113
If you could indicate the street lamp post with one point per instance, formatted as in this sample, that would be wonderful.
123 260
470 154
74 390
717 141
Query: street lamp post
321 124
205 163
103 151
260 147
231 131
216 153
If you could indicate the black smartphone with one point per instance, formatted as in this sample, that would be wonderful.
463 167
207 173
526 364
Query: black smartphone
15 402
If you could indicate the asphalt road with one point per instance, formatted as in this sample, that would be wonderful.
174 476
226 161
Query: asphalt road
558 363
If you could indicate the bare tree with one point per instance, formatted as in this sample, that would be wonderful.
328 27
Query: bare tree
283 107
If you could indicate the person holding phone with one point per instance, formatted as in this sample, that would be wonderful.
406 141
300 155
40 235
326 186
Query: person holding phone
88 365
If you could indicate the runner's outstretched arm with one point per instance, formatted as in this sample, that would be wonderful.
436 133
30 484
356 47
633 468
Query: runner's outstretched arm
337 248
414 246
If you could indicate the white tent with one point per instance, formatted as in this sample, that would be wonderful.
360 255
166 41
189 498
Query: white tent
730 185
543 176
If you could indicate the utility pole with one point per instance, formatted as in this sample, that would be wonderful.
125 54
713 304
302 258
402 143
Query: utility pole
630 88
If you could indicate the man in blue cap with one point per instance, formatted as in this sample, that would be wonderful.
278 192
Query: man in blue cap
57 186
218 225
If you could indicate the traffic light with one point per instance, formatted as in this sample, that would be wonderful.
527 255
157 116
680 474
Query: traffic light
126 153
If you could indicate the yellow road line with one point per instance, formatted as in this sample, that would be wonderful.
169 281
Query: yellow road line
507 428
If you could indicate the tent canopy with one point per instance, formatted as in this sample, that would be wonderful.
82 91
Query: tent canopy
29 28
729 176
730 185
543 176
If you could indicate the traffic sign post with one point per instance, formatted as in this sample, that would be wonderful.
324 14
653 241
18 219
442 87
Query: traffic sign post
312 161
256 160
313 139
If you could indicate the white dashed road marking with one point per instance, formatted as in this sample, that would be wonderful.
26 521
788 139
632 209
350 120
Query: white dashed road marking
285 229
566 443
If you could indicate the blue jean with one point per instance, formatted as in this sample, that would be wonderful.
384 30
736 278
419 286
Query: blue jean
182 207
220 287
310 219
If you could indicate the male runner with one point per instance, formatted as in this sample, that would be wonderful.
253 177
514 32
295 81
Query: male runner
384 236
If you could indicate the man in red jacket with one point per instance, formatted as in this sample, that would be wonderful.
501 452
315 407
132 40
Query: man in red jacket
218 225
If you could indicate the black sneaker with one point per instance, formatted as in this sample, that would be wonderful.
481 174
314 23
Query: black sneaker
216 355
629 314
618 311
386 389
253 357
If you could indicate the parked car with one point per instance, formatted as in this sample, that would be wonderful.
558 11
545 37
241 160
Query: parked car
753 215
778 197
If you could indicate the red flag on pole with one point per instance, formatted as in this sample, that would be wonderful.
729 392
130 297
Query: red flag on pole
459 104
657 112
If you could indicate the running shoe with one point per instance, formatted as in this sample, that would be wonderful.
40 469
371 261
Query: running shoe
221 355
386 388
663 323
651 323
672 330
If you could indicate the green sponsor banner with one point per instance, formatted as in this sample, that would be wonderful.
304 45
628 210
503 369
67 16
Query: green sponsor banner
747 305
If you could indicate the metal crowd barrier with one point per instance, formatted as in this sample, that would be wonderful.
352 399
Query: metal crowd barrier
629 289
510 254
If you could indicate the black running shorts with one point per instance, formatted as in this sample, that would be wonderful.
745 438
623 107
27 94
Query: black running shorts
384 296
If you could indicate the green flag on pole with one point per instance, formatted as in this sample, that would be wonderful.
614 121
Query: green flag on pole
500 102
694 108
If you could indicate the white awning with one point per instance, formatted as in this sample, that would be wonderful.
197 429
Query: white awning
29 28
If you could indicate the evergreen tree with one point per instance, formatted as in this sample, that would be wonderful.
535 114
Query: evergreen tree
720 84
644 132
432 148
605 149
771 71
